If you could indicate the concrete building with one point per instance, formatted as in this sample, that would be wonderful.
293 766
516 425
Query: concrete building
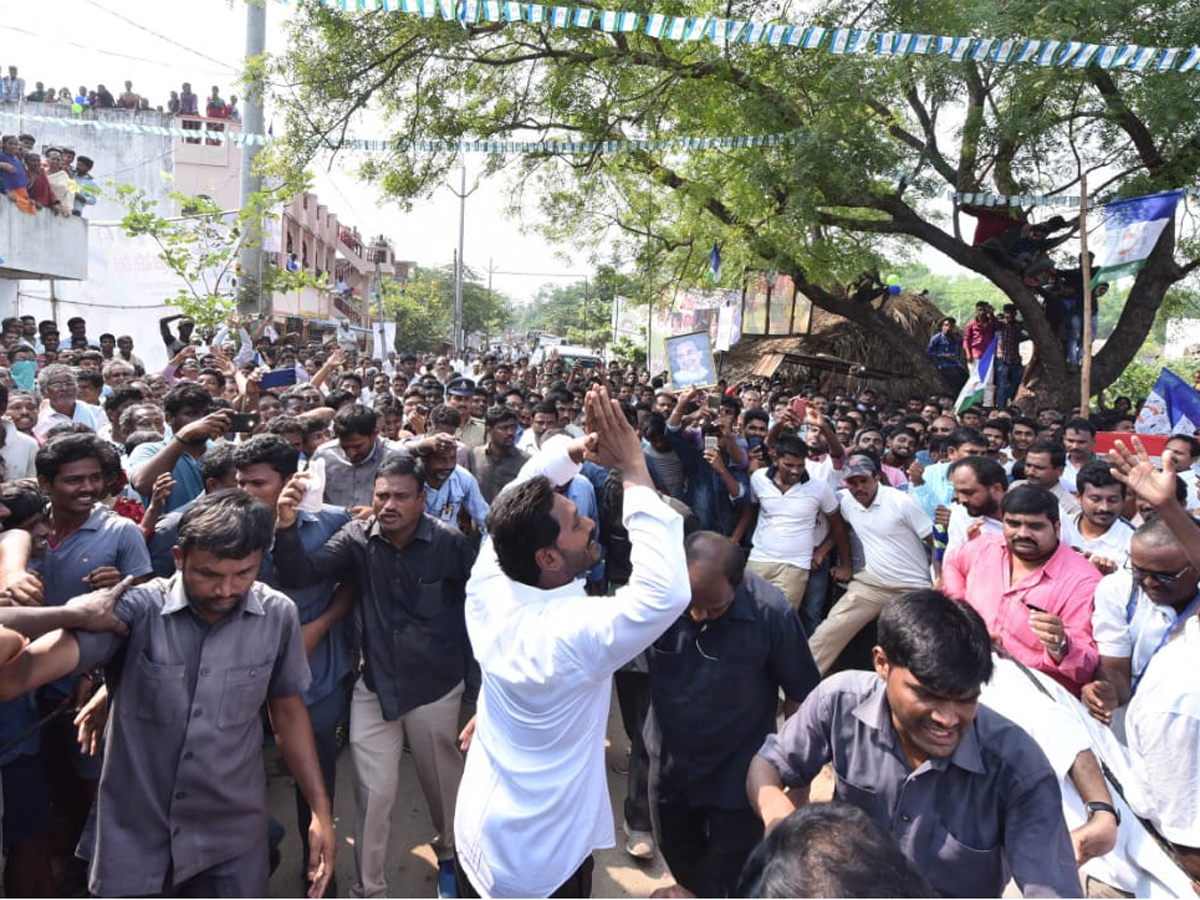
118 274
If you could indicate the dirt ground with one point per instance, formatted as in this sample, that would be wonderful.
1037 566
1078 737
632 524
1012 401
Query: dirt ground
412 868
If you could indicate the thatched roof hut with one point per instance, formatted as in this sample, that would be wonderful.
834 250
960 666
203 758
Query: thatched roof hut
841 355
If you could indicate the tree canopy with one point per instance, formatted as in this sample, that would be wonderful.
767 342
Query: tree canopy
423 308
821 207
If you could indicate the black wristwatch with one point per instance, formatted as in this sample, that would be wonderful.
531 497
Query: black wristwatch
1097 806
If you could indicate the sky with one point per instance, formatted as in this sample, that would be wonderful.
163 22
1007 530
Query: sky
159 44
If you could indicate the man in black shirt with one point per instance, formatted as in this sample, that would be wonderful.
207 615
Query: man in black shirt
412 572
715 677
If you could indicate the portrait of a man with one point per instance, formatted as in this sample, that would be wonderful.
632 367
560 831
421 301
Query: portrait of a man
690 360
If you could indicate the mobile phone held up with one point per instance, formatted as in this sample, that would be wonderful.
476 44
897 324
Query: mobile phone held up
799 409
243 422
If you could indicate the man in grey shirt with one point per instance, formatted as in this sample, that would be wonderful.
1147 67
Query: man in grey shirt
182 805
353 457
968 795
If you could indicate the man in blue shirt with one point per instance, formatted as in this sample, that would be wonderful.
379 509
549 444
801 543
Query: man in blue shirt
189 413
264 464
450 490
969 796
943 349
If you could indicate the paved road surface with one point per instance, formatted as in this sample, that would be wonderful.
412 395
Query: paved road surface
412 869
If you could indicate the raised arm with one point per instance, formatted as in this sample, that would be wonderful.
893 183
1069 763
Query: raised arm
295 566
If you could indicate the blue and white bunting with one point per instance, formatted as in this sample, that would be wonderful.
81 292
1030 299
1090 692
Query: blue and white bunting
840 41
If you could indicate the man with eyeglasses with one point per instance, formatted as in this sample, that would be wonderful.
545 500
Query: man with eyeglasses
715 677
1136 608
1163 721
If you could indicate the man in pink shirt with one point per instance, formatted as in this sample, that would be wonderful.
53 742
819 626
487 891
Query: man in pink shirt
1034 592
979 333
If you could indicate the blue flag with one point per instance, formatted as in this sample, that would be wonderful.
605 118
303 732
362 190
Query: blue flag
1131 229
1173 407
714 264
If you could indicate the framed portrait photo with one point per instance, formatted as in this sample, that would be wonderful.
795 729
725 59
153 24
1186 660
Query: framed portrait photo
690 360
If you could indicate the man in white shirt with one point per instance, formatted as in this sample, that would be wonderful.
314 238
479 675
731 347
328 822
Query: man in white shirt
979 486
1102 534
1163 723
1044 463
788 502
533 803
1135 608
19 449
63 406
897 540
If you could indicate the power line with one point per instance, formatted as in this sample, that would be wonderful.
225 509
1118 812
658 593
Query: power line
94 49
161 37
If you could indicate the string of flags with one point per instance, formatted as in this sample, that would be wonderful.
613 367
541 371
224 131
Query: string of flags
498 147
1075 54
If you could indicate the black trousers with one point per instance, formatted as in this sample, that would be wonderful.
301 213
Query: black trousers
705 847
577 886
633 699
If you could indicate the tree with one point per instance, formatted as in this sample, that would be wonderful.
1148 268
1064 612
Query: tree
576 312
424 308
820 207
202 248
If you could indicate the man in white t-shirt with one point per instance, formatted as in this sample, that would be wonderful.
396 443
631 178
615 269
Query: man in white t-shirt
1163 722
788 502
1135 608
897 540
18 450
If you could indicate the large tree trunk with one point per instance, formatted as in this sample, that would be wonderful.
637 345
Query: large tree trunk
1049 383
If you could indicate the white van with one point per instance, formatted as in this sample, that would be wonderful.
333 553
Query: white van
568 355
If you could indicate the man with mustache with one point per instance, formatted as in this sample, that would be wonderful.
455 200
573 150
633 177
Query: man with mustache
1032 589
90 547
1102 534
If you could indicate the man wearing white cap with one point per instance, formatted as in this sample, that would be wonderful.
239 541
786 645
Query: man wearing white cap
897 540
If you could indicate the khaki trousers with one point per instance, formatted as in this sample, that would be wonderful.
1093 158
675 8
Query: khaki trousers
375 748
864 599
792 580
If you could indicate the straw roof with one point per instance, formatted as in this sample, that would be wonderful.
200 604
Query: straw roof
835 342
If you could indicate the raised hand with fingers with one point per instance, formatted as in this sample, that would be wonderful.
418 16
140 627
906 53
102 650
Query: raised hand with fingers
1134 468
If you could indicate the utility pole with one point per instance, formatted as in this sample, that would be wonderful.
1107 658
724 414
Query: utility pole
377 285
250 297
459 337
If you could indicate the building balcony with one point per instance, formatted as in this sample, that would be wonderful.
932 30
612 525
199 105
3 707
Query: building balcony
208 147
43 245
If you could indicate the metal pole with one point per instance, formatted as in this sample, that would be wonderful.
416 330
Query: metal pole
1085 368
459 341
381 350
250 297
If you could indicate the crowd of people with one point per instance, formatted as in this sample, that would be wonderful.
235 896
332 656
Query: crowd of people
987 632
13 92
55 180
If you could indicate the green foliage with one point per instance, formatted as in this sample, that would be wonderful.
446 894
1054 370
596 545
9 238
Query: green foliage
202 248
628 353
821 207
577 312
424 308
1140 375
